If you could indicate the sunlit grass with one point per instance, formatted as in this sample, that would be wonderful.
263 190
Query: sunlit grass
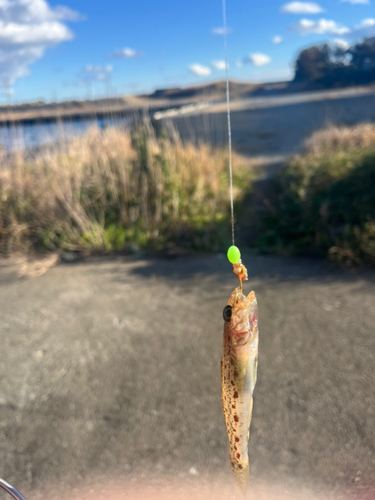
112 190
323 203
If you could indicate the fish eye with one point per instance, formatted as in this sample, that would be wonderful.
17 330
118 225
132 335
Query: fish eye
227 313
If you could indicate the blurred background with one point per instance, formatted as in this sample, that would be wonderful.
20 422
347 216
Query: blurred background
114 225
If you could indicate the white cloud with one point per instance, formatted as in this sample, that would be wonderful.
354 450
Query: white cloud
301 8
95 73
27 29
34 12
355 2
126 53
320 27
221 31
257 59
199 70
366 23
365 29
219 65
341 44
62 13
239 64
48 33
277 39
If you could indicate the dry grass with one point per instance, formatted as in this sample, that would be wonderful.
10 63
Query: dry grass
24 266
323 203
334 139
109 188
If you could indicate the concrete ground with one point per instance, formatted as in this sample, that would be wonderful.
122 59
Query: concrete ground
111 367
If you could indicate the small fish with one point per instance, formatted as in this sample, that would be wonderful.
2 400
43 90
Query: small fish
238 375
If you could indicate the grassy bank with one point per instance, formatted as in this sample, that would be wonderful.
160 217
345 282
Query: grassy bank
113 190
321 203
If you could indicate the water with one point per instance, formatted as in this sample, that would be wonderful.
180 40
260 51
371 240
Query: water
29 136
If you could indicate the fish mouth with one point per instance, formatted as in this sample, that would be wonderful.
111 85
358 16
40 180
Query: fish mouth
244 313
240 301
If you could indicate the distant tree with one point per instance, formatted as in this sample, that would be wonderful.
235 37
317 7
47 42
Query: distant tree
363 58
313 64
324 66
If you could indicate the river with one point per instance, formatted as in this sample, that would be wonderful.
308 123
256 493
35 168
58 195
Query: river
30 136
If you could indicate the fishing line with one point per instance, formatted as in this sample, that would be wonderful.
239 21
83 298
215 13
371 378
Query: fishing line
228 117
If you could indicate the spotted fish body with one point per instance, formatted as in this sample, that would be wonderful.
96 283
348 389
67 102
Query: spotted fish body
238 376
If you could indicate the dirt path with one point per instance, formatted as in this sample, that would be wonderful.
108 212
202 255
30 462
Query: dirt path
113 366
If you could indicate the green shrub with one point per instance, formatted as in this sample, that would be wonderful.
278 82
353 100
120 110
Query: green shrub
321 204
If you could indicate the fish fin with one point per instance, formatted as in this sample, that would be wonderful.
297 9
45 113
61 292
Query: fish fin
250 415
242 476
255 372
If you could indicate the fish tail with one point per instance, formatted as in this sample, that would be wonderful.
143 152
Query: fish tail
241 473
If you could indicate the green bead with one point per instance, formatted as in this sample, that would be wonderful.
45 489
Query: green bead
234 255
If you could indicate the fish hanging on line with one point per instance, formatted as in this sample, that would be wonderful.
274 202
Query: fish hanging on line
239 369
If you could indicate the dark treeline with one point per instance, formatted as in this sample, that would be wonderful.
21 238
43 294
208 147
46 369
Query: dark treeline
325 66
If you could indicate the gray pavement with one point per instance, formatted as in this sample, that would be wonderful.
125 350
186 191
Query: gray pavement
112 366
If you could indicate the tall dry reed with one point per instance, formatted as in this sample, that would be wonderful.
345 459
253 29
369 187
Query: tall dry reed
333 139
108 188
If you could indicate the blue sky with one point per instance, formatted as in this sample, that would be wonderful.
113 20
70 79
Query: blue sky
75 48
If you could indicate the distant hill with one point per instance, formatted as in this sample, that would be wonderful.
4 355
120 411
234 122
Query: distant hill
209 89
159 100
218 89
41 105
